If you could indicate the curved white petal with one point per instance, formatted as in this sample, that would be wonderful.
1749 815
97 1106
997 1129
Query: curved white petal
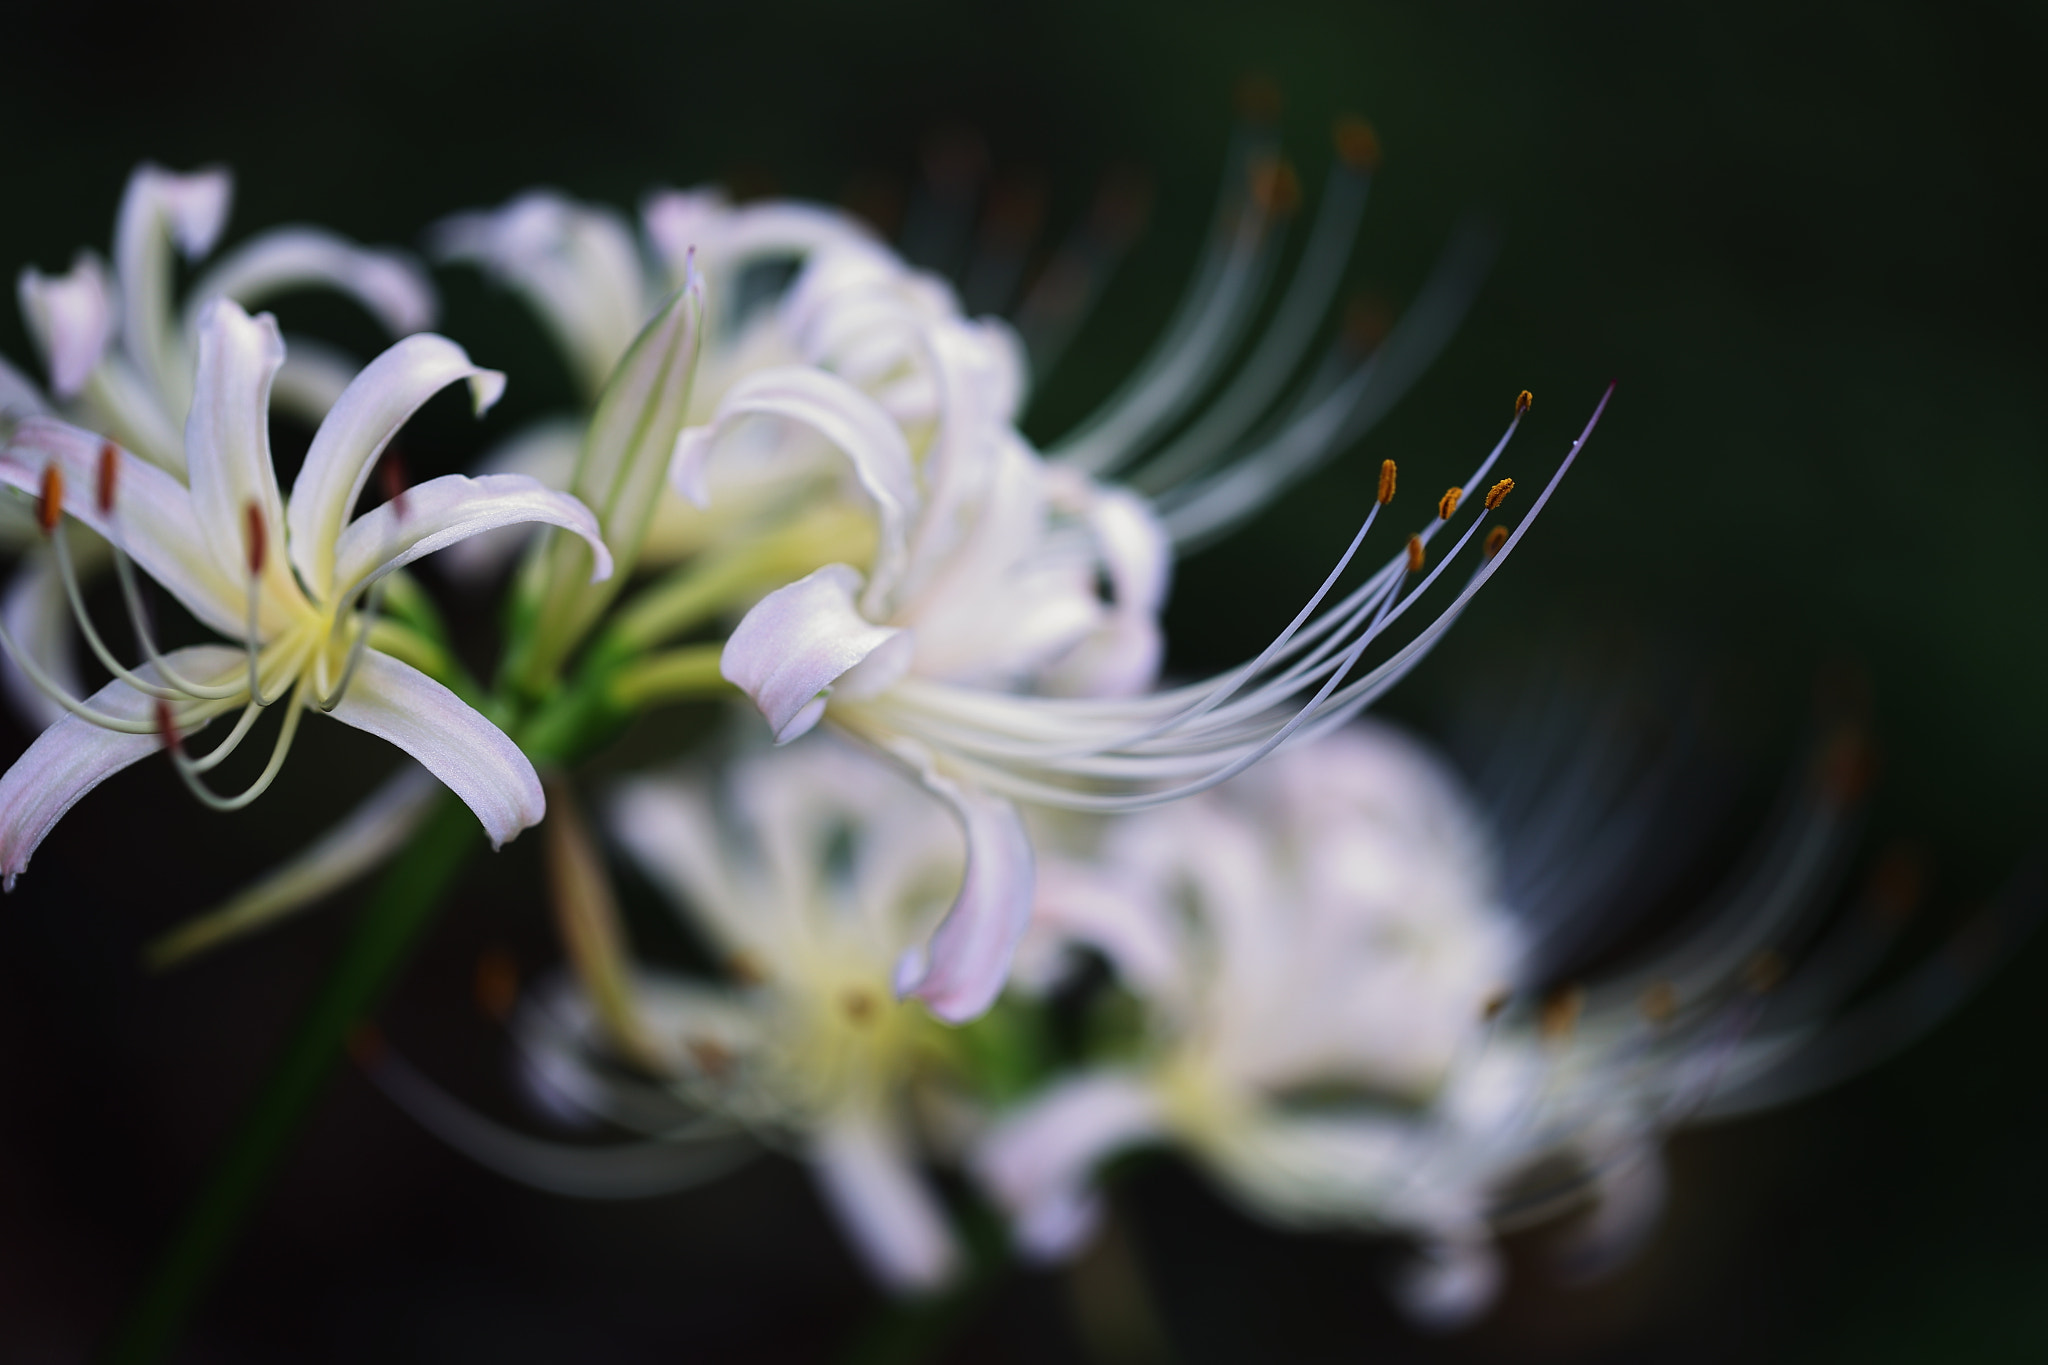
364 419
472 757
796 643
72 319
865 1171
227 439
1040 1161
73 756
38 615
161 209
844 416
962 971
546 451
1452 1280
438 513
154 519
389 284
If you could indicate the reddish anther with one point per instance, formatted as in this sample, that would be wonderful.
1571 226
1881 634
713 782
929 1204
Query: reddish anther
259 540
109 477
167 725
51 510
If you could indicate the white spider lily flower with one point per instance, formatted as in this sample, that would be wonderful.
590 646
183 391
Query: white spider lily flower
287 579
1349 1018
1324 926
120 351
595 283
808 872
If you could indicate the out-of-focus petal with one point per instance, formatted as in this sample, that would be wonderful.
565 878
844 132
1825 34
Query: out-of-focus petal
370 834
364 419
72 318
866 1172
1040 1161
73 756
19 396
798 641
391 285
962 971
38 615
160 210
472 757
1451 1281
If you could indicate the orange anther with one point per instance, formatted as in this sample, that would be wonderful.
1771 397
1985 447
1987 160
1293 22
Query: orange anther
712 1057
1358 145
1258 99
1386 493
1522 401
1498 494
1495 538
51 510
496 984
1415 554
259 539
859 1006
1560 1013
1448 503
109 476
1275 186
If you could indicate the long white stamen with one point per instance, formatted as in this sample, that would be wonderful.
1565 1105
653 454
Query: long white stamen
138 618
328 702
189 769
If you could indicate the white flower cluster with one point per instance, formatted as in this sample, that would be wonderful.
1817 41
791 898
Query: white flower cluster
800 480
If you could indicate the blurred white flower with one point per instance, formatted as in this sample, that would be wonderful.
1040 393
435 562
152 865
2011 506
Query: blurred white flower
1350 1022
807 872
294 582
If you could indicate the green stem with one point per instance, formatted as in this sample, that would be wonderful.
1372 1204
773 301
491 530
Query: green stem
399 908
686 674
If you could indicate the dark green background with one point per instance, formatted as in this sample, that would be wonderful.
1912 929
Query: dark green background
1807 242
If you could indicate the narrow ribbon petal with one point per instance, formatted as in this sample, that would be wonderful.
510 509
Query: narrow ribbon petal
1040 1162
389 284
364 419
73 756
440 512
38 615
227 438
797 641
844 416
887 1211
161 209
963 970
72 318
154 519
472 757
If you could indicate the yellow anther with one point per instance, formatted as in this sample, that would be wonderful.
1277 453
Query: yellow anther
1415 555
1498 494
1448 503
1522 401
1358 145
1386 493
1495 538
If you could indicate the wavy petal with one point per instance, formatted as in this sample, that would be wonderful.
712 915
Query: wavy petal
962 971
843 415
390 284
364 419
227 440
1040 1162
440 512
161 209
154 520
797 642
73 756
472 757
72 319
865 1170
